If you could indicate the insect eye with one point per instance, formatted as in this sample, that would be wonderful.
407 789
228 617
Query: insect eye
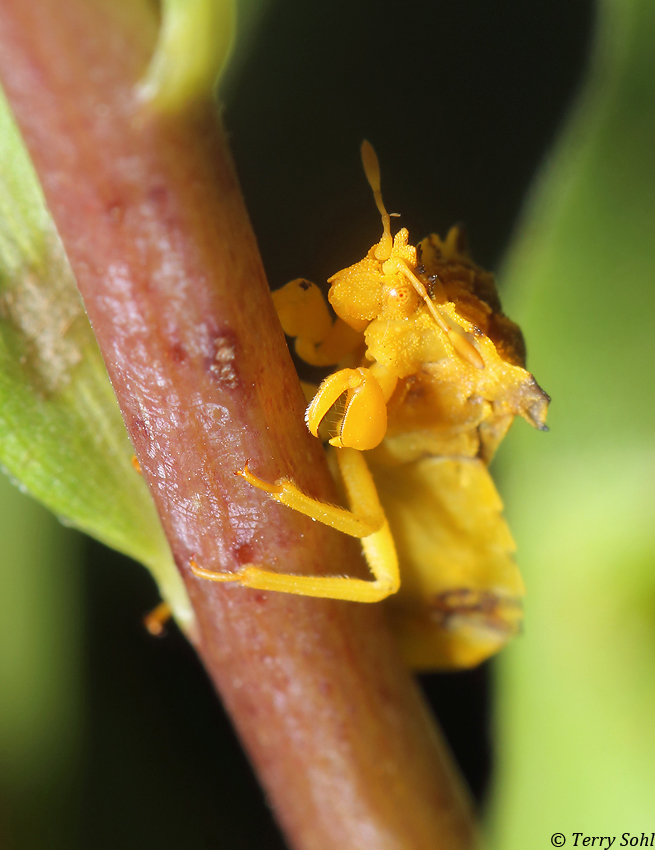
401 299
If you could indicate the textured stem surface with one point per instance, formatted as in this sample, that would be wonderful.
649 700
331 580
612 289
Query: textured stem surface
153 222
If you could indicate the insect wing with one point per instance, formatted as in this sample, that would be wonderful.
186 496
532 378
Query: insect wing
460 598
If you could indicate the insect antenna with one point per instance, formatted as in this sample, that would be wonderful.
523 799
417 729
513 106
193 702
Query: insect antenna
372 171
383 252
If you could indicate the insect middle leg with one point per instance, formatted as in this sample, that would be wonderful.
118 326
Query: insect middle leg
366 521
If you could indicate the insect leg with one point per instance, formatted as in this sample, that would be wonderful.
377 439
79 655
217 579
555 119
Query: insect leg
367 513
155 621
355 524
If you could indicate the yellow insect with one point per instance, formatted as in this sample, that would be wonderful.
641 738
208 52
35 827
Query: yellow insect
430 374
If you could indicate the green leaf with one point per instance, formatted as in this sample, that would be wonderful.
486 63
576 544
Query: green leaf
61 434
41 664
577 691
195 41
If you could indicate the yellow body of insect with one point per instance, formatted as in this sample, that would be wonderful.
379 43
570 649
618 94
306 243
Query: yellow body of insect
431 375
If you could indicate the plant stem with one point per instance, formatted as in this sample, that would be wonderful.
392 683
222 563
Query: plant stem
152 219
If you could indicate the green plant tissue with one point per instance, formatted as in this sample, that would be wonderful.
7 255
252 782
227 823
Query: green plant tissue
576 692
61 434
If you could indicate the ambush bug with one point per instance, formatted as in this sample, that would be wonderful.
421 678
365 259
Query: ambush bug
430 375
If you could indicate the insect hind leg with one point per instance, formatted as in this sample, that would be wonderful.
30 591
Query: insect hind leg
366 521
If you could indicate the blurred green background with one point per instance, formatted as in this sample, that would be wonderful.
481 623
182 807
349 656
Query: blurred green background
109 738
